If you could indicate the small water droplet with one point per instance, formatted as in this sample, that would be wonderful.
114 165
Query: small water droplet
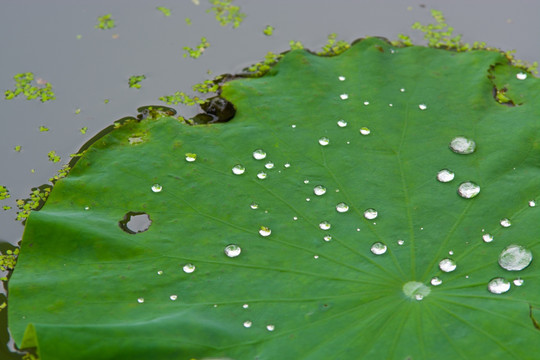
135 222
342 123
156 188
324 141
450 252
365 131
341 78
306 181
436 281
270 327
293 126
259 154
287 165
468 189
160 272
87 208
140 300
498 285
518 282
190 157
390 105
254 206
342 207
269 165
402 89
261 175
315 257
344 96
232 250
462 145
245 306
378 248
247 324
400 242
506 222
295 218
521 76
422 106
265 231
319 190
487 238
515 258
447 265
173 297
415 290
371 214
325 225
532 203
238 169
366 103
357 229
327 238
308 199
445 175
188 268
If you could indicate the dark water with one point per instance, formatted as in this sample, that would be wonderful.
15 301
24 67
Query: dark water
42 37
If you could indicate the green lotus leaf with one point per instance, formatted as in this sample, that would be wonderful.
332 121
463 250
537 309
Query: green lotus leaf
316 224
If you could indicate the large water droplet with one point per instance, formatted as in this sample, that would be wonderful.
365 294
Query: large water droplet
259 154
436 281
370 214
324 141
265 231
521 76
415 290
342 207
327 238
447 265
365 131
462 145
325 225
445 175
468 190
188 268
515 258
269 165
344 96
342 123
135 222
261 175
506 222
238 169
378 248
156 188
319 190
232 250
247 324
190 157
498 285
487 238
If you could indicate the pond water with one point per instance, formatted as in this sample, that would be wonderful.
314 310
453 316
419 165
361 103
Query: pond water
89 68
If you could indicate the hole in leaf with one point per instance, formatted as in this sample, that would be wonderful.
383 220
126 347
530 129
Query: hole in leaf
135 222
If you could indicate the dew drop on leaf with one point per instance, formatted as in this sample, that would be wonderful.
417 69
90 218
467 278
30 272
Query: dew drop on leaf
265 231
468 189
140 300
325 225
160 272
188 268
247 324
319 190
402 89
344 96
269 165
341 78
447 265
365 131
436 281
156 188
270 327
261 175
135 222
324 141
422 106
515 258
190 157
342 207
532 203
342 123
506 222
173 297
521 76
238 169
462 145
370 214
400 242
254 206
498 285
366 103
259 154
87 208
327 238
415 290
232 250
518 282
378 248
487 238
445 175
245 306
287 165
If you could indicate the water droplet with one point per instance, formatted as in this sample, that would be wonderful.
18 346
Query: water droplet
173 297
342 207
270 327
306 181
190 157
134 140
293 126
341 78
415 290
319 190
447 265
160 272
370 214
245 306
315 257
327 238
254 206
378 248
521 76
238 169
445 175
506 222
156 188
344 96
468 190
247 324
365 131
135 222
188 268
295 218
259 154
342 123
487 238
518 282
462 145
436 281
532 203
140 300
265 231
515 258
308 199
366 103
402 89
422 106
498 285
287 165
87 208
400 242
269 165
390 105
261 175
450 252
325 225
324 141
232 250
